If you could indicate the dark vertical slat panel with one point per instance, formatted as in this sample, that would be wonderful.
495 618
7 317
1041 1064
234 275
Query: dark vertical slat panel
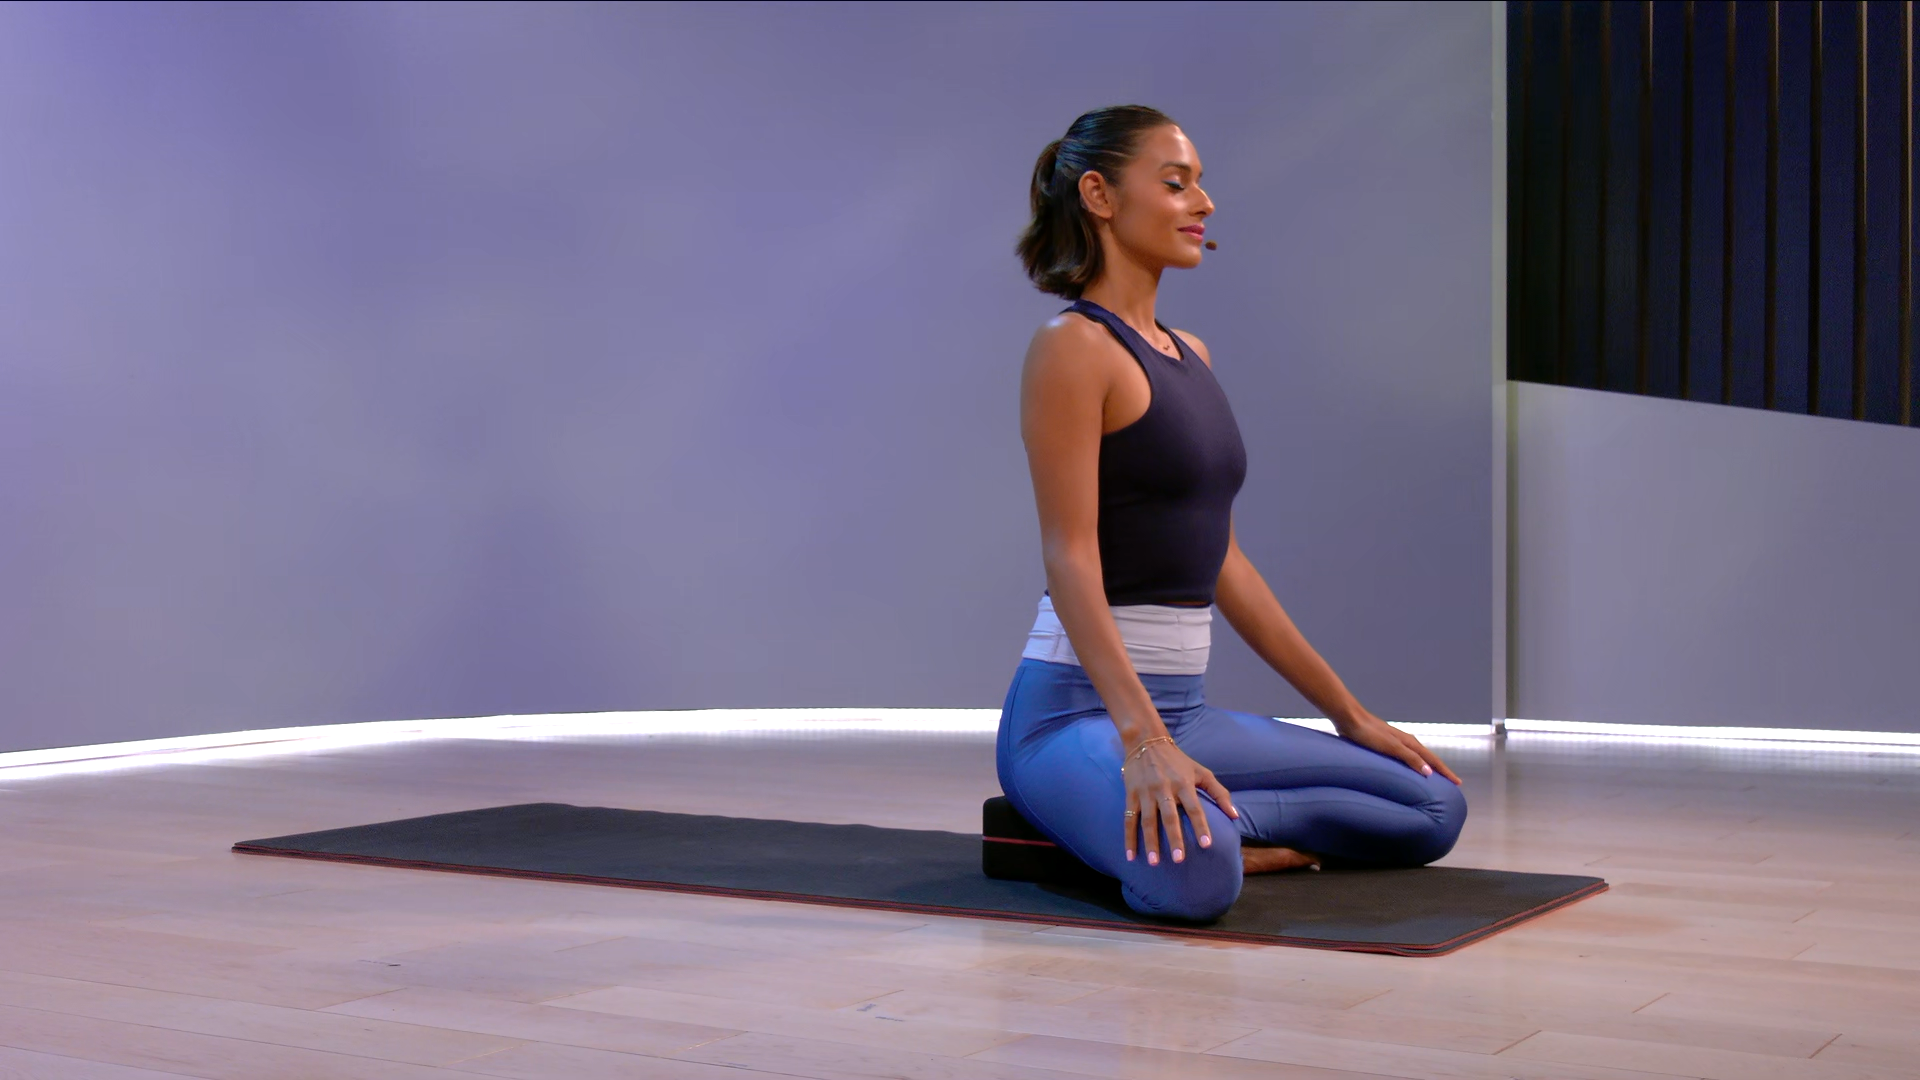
1606 165
1816 53
1906 219
1839 288
1726 213
1562 335
1686 209
1643 202
1860 227
1520 211
1665 199
1750 280
1772 351
1851 381
1882 280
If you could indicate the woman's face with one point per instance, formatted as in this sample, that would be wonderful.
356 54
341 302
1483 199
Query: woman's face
1156 212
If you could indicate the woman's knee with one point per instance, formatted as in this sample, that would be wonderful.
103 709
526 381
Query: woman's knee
1201 887
1198 890
1448 811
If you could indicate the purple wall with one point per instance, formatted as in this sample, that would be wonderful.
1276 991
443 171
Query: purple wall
365 362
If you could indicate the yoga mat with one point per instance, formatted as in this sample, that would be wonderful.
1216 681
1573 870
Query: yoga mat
1419 912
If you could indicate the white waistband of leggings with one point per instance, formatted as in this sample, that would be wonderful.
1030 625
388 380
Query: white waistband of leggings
1160 639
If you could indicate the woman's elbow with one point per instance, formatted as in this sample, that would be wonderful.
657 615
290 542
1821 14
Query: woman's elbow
1068 561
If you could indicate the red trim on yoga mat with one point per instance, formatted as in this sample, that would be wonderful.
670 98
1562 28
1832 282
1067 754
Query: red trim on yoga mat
1011 840
1439 949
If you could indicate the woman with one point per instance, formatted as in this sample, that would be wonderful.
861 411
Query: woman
1107 744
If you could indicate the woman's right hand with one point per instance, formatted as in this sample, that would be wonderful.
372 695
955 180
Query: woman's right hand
1161 781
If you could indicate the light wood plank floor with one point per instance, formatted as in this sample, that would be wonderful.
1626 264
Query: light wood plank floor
1762 924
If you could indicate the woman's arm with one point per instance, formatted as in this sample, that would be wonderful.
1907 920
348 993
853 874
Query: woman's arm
1063 403
1069 379
1249 605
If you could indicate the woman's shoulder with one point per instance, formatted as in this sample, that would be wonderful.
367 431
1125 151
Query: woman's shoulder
1075 356
1070 335
1070 328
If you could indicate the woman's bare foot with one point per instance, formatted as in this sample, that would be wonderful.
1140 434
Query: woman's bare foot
1268 860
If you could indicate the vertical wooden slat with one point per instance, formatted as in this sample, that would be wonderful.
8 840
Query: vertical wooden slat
1726 214
1606 164
1816 49
1520 320
1906 218
1860 227
1772 349
1562 329
1643 203
1686 209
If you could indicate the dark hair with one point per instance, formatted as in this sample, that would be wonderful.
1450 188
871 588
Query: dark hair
1060 248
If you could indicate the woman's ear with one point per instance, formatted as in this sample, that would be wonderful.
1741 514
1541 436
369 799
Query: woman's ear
1096 195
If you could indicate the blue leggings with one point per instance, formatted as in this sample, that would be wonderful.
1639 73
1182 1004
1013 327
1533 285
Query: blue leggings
1059 762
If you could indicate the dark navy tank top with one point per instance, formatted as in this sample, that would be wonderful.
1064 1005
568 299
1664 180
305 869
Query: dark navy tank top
1167 480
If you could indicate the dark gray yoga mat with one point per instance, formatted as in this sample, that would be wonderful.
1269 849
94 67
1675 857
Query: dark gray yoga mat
1419 912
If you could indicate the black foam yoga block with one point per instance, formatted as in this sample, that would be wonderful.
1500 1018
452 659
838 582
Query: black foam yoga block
1011 849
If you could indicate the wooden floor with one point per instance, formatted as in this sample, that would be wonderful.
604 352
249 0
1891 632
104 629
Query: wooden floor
1762 924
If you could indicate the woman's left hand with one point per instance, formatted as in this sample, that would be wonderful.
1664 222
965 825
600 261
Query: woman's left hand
1376 734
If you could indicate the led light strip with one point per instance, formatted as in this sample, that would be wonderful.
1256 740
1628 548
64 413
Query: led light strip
373 733
232 745
1720 734
228 746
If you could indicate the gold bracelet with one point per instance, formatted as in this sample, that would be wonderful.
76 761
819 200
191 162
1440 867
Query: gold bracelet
1135 752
